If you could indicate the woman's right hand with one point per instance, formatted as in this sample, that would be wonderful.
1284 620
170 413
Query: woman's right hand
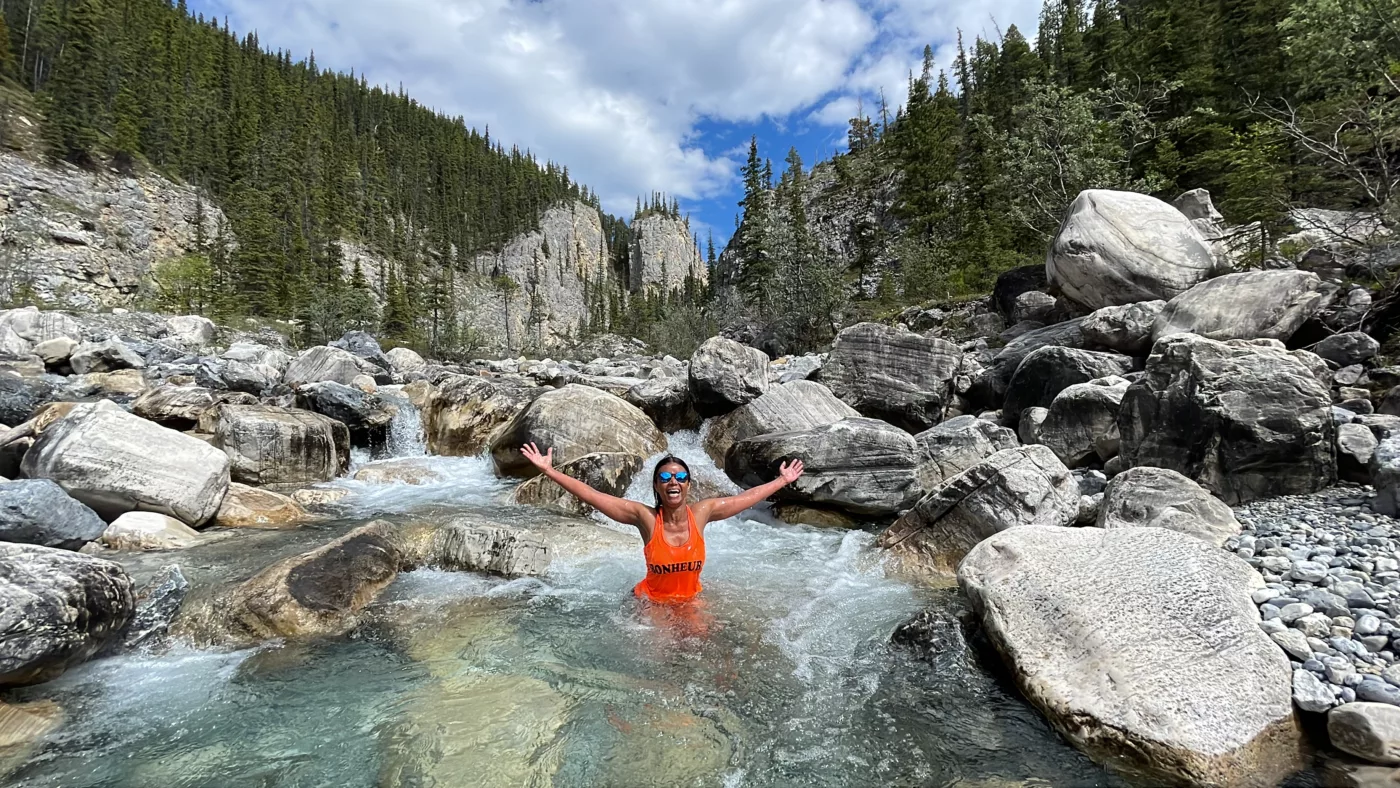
542 461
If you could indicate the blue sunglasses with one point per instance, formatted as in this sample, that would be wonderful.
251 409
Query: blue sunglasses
681 476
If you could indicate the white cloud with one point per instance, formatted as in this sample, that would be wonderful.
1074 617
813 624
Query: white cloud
615 89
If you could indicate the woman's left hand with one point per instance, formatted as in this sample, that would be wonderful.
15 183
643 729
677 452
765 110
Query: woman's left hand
789 471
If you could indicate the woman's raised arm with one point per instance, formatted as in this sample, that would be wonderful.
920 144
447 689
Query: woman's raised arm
724 508
619 509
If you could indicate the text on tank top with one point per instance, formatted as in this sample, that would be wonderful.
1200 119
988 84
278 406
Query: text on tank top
673 573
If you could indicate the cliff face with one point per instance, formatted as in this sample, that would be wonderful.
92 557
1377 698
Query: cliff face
663 255
85 240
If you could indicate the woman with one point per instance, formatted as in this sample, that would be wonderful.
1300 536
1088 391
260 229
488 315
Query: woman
673 532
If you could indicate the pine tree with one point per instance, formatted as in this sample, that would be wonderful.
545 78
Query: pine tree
74 98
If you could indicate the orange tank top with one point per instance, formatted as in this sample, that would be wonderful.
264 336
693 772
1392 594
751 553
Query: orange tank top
673 573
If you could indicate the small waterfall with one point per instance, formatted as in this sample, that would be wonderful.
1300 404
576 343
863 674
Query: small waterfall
405 437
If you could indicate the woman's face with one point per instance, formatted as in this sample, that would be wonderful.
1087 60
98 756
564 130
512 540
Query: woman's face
671 493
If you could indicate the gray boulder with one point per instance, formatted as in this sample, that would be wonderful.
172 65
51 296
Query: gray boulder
462 415
1122 247
725 374
108 356
1067 334
324 363
1356 444
254 353
1033 305
893 375
1126 328
1160 498
366 347
574 421
607 472
35 326
248 378
1385 475
176 407
404 360
38 511
1049 370
116 463
956 445
271 445
156 605
1243 420
1081 424
786 407
1366 730
57 609
192 331
1246 305
856 465
55 352
1346 349
366 415
1143 649
1012 488
21 397
666 401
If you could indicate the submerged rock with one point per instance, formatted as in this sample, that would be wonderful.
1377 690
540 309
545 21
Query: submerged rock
148 531
250 507
404 470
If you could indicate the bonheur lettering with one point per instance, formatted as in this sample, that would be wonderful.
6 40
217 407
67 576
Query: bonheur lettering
666 569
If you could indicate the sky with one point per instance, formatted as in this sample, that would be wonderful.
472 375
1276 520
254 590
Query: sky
636 96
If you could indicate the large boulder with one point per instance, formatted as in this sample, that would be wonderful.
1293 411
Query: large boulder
666 401
35 326
1012 488
857 465
108 356
892 375
1126 328
192 331
1068 334
1123 247
1049 370
38 511
250 507
1348 348
574 421
1245 305
57 609
324 363
1161 498
1385 475
176 407
463 414
404 360
725 374
271 445
1243 420
1143 648
956 445
366 347
786 407
116 463
254 353
1081 424
1366 730
607 472
366 415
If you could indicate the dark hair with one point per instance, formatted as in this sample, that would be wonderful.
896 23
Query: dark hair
667 460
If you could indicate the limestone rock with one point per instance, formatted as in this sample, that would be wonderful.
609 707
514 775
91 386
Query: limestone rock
38 511
899 377
1385 475
1366 730
324 363
574 421
1351 347
148 531
406 470
666 401
462 416
1126 328
36 327
1068 334
1157 667
1048 371
122 383
1246 305
725 374
956 445
608 472
250 507
1160 498
192 331
270 445
786 407
57 609
1356 444
56 352
366 415
663 255
856 465
176 407
1242 420
1122 247
1010 489
116 462
361 344
20 398
107 356
404 360
157 602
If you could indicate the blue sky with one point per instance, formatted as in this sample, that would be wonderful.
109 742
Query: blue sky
636 96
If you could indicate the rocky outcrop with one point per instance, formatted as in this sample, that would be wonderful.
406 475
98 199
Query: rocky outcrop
663 255
1159 498
88 240
38 511
1244 421
270 445
857 465
463 414
574 421
116 462
892 375
786 407
57 609
725 374
1010 489
1157 669
1081 424
1122 247
1246 305
607 472
1047 371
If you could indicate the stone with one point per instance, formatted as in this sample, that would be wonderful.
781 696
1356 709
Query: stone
1156 667
786 407
1366 730
1295 643
248 378
465 412
725 374
55 352
1348 348
856 465
1244 422
35 327
663 256
956 445
57 609
366 415
892 375
1013 488
1011 284
1246 305
1117 248
666 401
250 507
404 360
1033 305
108 356
157 603
607 472
116 463
798 514
1375 690
365 346
176 407
148 531
1146 497
320 498
20 398
1385 475
192 331
272 445
1356 444
122 383
323 363
1047 371
1126 328
1310 694
38 511
465 544
1068 334
574 421
1081 424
